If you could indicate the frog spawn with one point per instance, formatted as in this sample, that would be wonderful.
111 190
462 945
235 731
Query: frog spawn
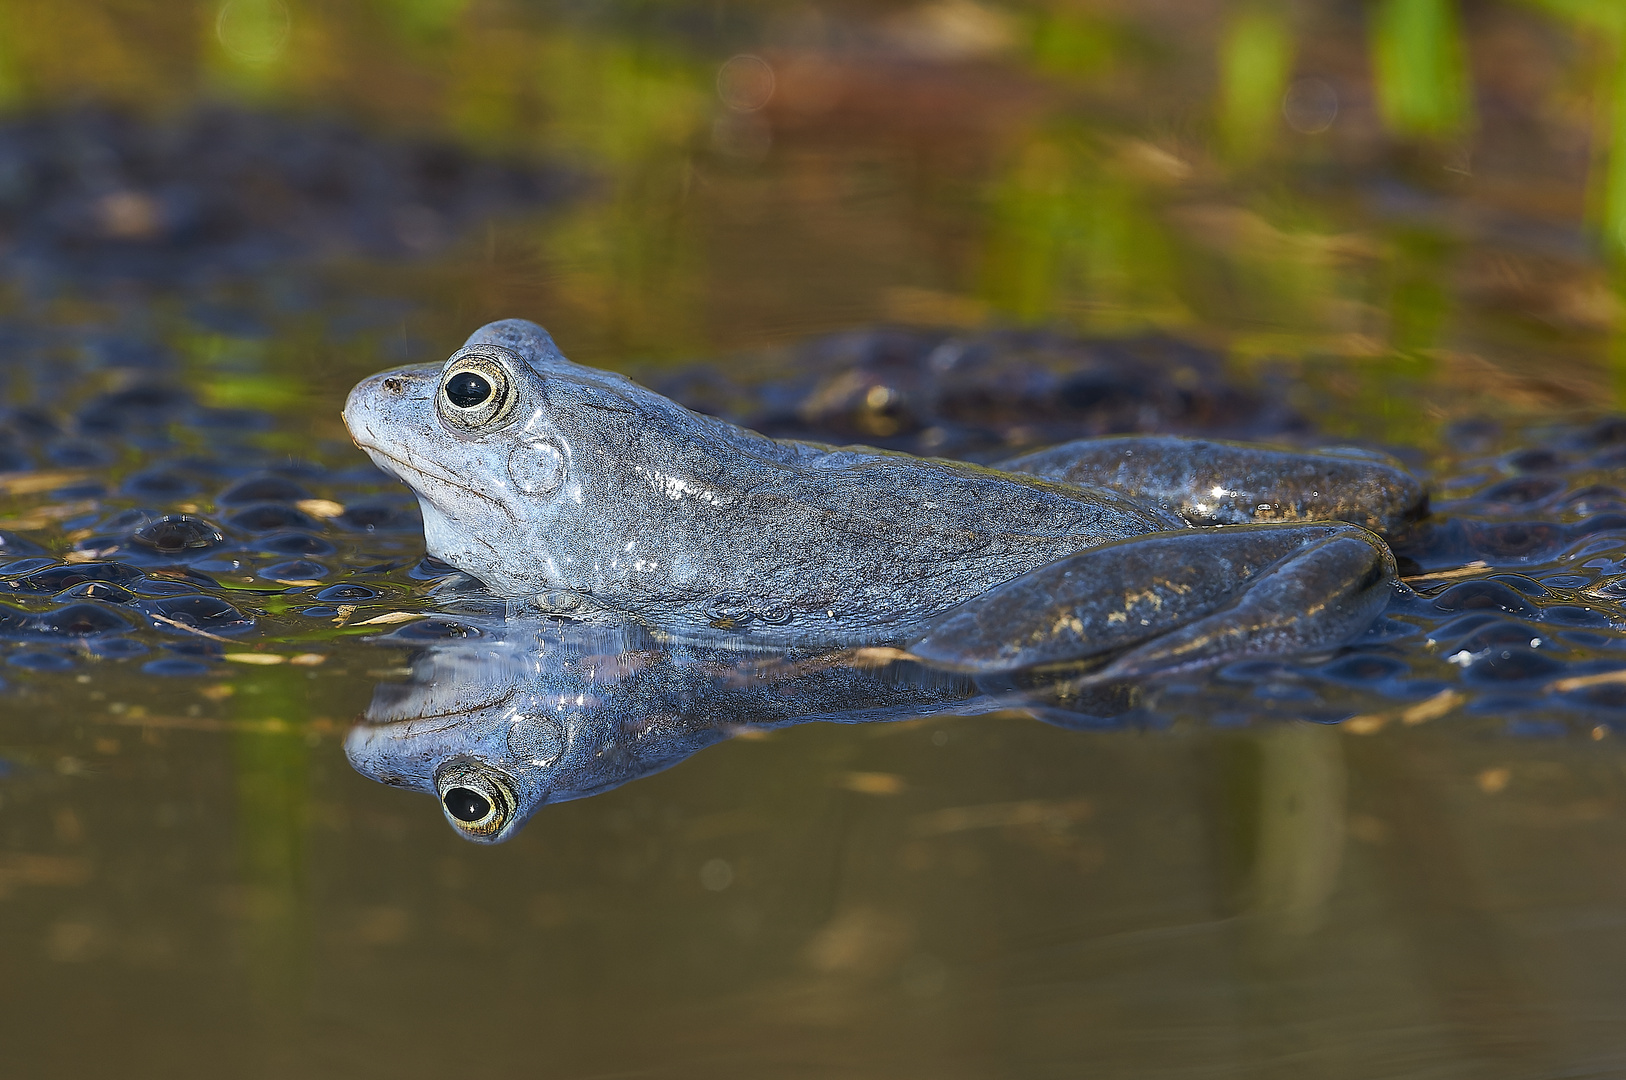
1549 512
139 579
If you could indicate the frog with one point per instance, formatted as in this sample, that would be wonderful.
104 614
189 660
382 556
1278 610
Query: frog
571 489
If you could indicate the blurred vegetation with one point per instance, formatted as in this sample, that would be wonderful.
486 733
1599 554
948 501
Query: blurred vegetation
1284 178
1422 81
1256 60
271 759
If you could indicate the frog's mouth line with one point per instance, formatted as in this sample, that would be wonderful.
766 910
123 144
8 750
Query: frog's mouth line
434 721
439 477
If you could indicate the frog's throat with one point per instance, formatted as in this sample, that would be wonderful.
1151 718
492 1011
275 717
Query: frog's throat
422 480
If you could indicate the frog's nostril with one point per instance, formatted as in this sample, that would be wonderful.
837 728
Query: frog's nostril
394 386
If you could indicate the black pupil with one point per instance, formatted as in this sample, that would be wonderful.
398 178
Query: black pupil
465 804
466 389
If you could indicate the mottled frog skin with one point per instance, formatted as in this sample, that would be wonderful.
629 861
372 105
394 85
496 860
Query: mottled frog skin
572 488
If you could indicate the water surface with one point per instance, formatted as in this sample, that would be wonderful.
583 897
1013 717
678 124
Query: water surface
950 228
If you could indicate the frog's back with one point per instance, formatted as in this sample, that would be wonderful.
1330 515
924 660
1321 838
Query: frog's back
832 535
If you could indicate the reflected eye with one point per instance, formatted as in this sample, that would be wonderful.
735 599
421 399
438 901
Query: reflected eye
466 804
479 801
477 389
466 390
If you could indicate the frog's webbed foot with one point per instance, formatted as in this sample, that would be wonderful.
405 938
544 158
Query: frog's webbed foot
1223 483
1174 601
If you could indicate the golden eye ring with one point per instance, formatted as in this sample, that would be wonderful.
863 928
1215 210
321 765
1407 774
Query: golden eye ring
477 388
478 801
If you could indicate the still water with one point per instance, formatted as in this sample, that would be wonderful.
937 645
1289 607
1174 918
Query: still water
951 228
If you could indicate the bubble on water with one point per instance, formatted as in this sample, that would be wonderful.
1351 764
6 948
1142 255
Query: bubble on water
179 534
253 32
1310 105
716 875
745 83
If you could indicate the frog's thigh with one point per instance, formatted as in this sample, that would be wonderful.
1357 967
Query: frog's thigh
1174 600
1317 599
1222 483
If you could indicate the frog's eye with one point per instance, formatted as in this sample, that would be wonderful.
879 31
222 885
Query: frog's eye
477 799
467 390
476 389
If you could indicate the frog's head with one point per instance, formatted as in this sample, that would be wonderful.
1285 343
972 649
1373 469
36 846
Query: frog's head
491 441
481 729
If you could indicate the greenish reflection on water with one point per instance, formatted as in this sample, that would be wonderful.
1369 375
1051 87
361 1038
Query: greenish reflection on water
205 885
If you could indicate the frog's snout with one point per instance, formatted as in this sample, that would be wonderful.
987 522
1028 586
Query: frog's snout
384 402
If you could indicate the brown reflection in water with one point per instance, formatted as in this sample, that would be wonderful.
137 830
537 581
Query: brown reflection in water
1281 835
1460 953
964 897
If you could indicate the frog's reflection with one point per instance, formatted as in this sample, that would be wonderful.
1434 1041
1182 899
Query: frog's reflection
528 710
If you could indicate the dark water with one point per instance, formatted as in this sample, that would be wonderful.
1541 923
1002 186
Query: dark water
950 229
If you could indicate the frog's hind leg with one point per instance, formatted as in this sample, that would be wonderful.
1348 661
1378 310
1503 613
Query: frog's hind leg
1174 601
1208 482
